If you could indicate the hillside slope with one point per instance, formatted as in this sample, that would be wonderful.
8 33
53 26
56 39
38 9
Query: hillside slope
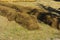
11 30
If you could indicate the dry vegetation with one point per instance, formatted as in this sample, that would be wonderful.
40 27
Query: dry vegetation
13 20
20 17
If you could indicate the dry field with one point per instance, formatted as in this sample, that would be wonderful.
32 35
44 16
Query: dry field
10 30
